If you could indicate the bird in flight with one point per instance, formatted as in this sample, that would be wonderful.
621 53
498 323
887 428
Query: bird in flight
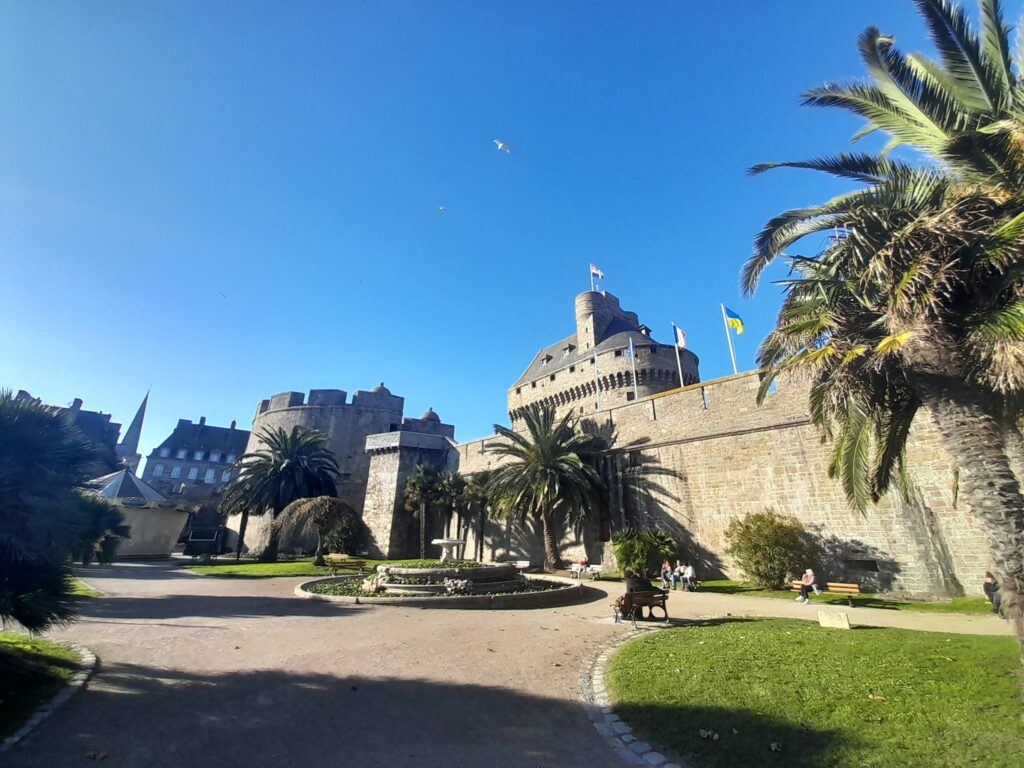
223 295
502 146
441 209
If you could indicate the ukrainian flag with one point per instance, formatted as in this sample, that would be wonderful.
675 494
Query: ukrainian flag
734 320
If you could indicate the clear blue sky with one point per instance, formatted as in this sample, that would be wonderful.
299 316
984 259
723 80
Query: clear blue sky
292 157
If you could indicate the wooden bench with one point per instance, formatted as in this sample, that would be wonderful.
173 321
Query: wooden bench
838 587
633 603
343 563
576 571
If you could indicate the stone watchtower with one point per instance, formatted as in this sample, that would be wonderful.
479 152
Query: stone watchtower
591 370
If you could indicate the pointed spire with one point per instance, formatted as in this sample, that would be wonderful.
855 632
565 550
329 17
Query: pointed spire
128 450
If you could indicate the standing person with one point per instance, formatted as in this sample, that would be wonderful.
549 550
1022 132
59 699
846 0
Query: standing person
807 583
991 588
667 576
690 578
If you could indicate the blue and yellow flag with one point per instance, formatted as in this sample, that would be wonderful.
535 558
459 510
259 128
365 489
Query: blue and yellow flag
734 320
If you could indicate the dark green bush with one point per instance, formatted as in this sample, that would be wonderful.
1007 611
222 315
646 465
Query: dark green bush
643 551
772 549
349 537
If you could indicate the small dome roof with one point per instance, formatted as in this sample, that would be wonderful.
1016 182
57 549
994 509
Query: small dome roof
430 416
381 390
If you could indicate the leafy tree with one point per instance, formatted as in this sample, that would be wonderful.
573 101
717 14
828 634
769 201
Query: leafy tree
421 494
325 513
291 465
643 550
918 297
771 548
549 475
45 461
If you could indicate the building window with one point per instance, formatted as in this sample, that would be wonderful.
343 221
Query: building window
210 474
552 377
533 385
175 471
631 396
572 369
591 361
654 350
230 459
225 476
165 452
158 470
193 473
181 454
618 353
214 455
198 456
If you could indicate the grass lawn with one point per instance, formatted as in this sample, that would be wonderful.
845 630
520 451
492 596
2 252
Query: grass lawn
32 671
80 589
975 604
249 570
866 697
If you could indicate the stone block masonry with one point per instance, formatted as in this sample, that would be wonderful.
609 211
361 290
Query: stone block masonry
716 456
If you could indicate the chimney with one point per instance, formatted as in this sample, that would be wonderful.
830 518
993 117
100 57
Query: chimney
202 421
232 423
76 405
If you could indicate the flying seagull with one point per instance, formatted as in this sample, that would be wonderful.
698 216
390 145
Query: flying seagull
502 146
441 209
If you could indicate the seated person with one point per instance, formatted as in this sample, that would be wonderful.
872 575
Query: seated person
667 575
690 578
991 588
637 582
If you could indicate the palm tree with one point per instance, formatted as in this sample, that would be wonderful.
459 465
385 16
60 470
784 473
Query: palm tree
325 513
917 299
420 495
550 475
475 504
292 465
450 489
45 462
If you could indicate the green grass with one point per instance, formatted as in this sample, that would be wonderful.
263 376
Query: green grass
867 697
80 589
304 567
866 600
32 671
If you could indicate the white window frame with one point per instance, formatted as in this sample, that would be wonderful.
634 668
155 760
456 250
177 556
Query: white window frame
208 478
230 458
193 473
175 472
198 455
225 476
165 452
158 470
182 453
215 456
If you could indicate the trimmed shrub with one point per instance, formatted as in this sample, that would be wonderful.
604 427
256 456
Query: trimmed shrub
772 549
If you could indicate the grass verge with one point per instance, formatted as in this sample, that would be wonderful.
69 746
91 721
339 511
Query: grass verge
975 604
80 589
32 671
787 693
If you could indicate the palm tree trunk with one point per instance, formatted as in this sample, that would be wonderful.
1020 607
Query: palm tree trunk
985 480
480 538
552 561
423 530
319 560
269 553
241 534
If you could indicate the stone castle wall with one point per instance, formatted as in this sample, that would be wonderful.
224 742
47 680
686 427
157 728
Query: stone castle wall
721 457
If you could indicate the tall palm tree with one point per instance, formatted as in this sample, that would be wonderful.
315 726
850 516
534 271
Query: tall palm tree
475 503
450 489
291 465
550 475
917 298
420 496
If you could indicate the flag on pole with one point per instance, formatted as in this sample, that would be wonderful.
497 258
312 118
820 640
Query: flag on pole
734 320
629 350
680 336
595 272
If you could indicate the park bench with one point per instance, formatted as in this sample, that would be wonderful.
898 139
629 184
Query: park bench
521 566
632 604
343 563
839 587
576 571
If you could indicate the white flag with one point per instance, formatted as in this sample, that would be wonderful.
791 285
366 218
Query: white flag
680 336
595 272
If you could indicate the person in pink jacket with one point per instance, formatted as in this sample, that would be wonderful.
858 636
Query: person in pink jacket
807 583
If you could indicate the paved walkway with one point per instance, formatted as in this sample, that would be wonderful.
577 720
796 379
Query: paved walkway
206 671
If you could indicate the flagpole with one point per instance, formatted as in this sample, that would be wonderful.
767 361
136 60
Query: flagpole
632 359
679 363
597 384
728 337
590 269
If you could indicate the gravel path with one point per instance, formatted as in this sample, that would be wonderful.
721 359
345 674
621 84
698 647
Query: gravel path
206 671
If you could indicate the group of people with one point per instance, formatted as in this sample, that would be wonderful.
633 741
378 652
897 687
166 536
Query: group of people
680 573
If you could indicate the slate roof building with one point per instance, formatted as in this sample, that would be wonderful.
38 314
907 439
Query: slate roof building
195 461
125 486
128 449
95 425
592 370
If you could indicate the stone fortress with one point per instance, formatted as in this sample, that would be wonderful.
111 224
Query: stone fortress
376 449
592 370
688 459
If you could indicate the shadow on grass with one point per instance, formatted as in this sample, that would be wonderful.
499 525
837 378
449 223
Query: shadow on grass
744 738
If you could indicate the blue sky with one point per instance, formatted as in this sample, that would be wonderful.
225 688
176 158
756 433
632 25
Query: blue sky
221 201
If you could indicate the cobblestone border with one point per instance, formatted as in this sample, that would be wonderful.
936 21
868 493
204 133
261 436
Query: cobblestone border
88 660
594 695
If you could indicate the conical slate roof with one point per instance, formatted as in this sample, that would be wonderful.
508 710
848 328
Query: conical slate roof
124 485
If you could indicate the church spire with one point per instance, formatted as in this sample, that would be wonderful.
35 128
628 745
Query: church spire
128 450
